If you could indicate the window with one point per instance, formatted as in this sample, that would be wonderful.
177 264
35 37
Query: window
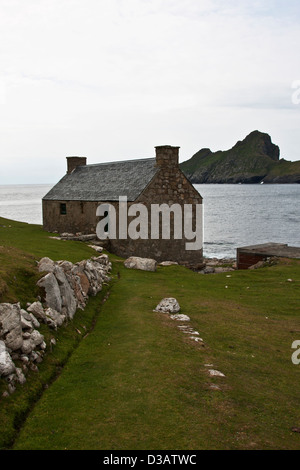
63 209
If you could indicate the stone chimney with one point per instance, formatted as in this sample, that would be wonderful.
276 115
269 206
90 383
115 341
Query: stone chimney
74 162
167 156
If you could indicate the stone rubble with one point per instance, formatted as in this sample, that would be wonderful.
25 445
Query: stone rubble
65 287
167 305
215 266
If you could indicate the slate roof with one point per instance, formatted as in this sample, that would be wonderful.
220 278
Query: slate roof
105 181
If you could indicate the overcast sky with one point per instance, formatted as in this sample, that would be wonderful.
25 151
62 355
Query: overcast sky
112 79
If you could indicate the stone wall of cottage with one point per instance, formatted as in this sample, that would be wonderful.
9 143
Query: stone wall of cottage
79 216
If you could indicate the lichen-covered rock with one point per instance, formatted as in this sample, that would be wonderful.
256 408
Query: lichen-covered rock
168 305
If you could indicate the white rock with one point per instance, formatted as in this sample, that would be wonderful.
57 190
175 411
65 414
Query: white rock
168 263
20 376
46 265
180 317
215 373
7 367
25 324
145 264
10 325
37 310
30 318
30 343
27 346
43 345
65 265
52 291
68 300
197 339
214 387
36 337
168 305
54 317
96 248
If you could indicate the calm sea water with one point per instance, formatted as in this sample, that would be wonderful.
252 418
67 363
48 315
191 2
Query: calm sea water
234 215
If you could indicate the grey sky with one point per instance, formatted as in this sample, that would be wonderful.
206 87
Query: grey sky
111 79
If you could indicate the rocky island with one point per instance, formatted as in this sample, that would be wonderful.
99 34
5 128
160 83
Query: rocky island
252 160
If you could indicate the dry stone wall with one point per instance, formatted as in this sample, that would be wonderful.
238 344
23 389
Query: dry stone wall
65 287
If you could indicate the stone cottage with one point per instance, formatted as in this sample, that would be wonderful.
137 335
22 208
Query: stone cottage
71 205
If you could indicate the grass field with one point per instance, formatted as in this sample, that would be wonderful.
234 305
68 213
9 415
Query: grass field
133 380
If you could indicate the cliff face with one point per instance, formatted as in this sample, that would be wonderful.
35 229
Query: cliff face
252 160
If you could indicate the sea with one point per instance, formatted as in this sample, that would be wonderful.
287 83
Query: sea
235 215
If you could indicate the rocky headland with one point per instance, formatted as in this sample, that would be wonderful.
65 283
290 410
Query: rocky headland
253 160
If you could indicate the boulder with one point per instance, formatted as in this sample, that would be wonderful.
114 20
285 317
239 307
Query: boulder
168 305
36 309
10 325
26 324
68 301
31 342
7 366
46 265
52 295
215 373
30 318
65 265
54 318
145 264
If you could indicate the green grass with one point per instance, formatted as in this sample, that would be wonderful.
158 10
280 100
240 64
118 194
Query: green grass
21 246
137 382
